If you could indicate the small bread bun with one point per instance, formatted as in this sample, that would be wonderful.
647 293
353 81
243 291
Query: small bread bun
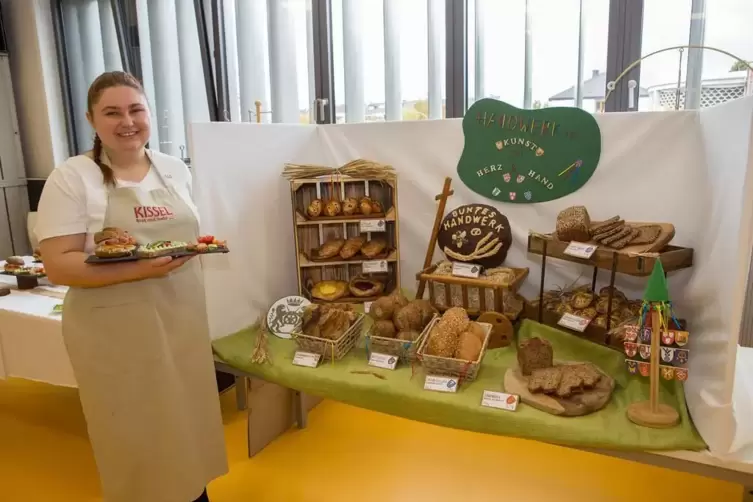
15 260
114 250
113 235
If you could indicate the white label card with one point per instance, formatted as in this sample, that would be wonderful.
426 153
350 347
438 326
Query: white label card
580 250
469 270
367 307
307 359
501 400
372 225
385 361
574 322
374 267
441 383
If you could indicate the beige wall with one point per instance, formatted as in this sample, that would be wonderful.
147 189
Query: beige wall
36 84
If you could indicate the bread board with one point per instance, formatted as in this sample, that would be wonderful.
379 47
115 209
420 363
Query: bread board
577 405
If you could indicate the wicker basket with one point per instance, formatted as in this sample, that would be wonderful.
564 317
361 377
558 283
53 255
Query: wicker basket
474 295
446 366
402 349
331 349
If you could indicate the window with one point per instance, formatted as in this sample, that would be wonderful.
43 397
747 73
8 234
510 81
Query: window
499 44
679 79
388 59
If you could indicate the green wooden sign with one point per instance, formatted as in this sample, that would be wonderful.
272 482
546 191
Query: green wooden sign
527 156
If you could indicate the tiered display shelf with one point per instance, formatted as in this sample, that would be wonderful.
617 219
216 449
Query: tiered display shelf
672 258
311 233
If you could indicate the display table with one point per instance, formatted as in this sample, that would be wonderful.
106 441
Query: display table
31 341
400 392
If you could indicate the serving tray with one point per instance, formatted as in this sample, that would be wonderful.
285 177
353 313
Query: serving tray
96 260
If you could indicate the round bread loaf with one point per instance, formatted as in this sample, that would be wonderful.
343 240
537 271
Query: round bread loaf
475 233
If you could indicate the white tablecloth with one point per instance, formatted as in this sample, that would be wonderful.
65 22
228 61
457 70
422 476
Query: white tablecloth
31 341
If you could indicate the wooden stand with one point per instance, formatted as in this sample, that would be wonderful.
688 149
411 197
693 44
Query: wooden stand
310 233
651 413
442 198
672 258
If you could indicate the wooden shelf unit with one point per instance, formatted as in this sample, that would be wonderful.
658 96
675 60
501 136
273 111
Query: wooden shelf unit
311 233
672 258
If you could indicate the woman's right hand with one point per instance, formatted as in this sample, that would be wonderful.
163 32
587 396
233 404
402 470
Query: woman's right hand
161 266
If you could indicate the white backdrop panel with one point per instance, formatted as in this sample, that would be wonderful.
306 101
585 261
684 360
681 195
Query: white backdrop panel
242 198
654 167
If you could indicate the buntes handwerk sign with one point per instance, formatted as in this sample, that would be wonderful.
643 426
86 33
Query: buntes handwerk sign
527 156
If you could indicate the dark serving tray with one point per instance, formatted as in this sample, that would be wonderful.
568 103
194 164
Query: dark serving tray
96 260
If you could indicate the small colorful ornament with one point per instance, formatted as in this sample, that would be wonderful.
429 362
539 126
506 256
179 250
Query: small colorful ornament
668 337
681 374
527 194
644 368
631 332
667 372
507 177
681 338
631 349
681 356
520 178
667 354
632 367
645 351
513 195
646 335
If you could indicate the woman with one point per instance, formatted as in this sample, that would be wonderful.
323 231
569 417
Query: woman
136 332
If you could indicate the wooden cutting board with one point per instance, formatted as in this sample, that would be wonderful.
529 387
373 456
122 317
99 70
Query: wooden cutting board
574 406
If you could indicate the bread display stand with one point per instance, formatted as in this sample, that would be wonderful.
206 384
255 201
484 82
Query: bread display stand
364 179
673 258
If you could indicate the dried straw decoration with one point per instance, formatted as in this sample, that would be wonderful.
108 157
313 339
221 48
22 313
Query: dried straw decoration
260 354
359 168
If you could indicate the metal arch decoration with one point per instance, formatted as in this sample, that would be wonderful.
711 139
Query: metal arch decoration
613 84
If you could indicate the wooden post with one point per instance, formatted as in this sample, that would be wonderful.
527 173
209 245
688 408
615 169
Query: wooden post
442 198
258 111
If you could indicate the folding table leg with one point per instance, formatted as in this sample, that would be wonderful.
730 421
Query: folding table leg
241 392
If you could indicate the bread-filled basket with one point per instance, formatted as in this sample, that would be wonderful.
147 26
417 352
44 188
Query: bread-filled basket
404 350
494 290
464 370
331 349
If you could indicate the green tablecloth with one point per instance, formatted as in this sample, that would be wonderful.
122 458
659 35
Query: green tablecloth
401 393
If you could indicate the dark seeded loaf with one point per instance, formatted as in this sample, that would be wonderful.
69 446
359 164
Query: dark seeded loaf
534 354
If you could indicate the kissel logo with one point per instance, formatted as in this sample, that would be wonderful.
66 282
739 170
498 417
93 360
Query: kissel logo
145 214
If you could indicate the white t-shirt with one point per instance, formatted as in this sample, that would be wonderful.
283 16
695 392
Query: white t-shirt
74 198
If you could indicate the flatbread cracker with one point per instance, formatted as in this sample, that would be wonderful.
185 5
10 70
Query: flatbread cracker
648 234
628 239
618 236
610 232
599 227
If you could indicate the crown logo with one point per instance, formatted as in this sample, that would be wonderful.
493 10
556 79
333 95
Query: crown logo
295 302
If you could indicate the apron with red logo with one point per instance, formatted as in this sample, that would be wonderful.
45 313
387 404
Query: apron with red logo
142 357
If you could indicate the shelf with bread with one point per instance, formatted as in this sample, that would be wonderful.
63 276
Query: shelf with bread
629 248
346 231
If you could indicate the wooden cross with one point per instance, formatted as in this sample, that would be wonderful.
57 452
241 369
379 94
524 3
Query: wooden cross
442 198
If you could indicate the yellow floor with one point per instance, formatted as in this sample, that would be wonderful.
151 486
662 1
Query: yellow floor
346 454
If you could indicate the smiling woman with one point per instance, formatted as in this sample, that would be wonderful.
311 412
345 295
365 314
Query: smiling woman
136 333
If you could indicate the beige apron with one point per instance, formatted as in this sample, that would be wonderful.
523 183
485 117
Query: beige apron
142 358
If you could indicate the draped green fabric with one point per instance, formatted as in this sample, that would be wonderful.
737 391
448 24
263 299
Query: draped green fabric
401 393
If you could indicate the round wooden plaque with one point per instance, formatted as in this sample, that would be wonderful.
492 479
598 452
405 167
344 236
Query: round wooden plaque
475 233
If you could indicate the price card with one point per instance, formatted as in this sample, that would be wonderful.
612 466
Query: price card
307 359
385 361
441 383
374 267
466 270
372 225
580 250
367 307
574 322
501 400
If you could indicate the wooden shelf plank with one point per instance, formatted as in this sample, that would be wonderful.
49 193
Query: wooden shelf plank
672 257
301 220
304 262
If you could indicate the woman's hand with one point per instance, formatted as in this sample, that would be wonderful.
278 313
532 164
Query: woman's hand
161 266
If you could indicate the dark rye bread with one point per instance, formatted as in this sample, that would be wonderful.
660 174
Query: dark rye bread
609 231
597 228
546 380
647 234
616 237
577 378
628 239
533 354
